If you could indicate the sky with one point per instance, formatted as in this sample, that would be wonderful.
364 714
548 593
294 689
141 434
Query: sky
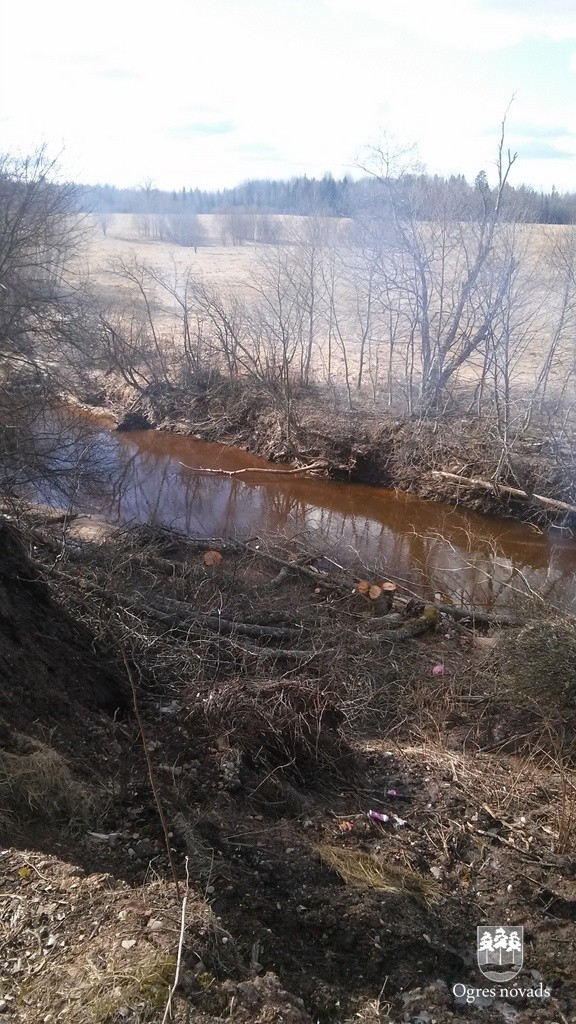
210 93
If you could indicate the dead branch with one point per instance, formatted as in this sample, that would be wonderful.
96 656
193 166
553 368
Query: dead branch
176 612
314 466
151 775
483 618
321 579
512 492
266 653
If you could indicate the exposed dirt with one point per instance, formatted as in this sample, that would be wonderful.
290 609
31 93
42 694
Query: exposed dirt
267 751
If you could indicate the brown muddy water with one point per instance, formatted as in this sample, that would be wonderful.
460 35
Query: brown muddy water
157 478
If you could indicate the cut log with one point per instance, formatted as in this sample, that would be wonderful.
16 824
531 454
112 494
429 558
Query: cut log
212 558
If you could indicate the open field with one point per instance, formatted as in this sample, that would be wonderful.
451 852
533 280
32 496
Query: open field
321 300
222 265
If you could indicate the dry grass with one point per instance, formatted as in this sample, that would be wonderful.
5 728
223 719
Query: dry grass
37 785
566 814
94 996
366 871
224 266
533 796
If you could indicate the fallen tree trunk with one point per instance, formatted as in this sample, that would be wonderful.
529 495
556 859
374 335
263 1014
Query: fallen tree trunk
484 618
472 615
411 628
511 492
177 612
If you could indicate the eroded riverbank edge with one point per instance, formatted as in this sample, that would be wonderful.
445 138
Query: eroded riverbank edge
451 460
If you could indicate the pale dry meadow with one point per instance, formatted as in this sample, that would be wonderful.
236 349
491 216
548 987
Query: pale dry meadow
323 299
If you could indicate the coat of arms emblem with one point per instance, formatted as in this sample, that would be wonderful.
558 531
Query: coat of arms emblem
500 951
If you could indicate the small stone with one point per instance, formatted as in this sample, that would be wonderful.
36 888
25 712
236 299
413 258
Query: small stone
144 849
154 925
128 943
3 1006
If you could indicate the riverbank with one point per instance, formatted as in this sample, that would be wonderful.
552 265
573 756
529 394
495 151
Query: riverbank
278 702
453 460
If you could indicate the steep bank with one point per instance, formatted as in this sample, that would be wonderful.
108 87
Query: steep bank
276 710
457 461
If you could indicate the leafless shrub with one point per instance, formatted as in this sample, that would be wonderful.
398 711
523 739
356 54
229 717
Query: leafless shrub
289 726
541 661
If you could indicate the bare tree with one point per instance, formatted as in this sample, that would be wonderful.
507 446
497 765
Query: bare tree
140 309
184 229
443 269
44 313
40 235
559 311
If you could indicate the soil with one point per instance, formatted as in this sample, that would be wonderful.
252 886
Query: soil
282 899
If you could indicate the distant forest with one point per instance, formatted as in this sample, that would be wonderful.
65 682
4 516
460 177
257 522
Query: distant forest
422 194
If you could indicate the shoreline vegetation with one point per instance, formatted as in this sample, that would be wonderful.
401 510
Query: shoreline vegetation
454 461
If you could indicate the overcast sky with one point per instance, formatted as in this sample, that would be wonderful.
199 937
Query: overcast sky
209 93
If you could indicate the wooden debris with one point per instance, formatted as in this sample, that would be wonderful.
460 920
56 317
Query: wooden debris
511 492
212 558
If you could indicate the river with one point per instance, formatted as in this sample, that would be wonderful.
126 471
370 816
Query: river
156 477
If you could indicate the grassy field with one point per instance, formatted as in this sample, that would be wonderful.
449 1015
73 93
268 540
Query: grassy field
337 301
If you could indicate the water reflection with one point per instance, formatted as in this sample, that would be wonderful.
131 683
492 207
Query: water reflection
156 478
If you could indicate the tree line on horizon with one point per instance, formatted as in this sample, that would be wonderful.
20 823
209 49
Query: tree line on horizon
333 197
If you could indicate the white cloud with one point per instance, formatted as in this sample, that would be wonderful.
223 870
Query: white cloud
304 86
473 25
